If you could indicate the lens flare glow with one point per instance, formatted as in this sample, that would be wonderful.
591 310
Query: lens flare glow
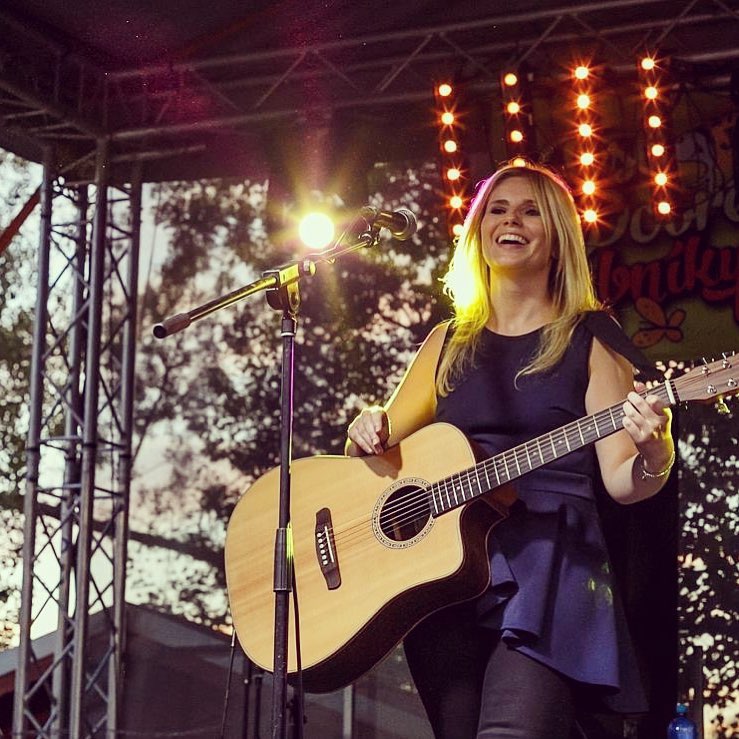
513 107
660 179
587 158
585 130
588 187
583 101
455 202
590 216
581 72
651 92
647 63
316 230
447 117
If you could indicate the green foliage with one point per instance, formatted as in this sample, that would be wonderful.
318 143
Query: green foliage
17 182
709 608
15 330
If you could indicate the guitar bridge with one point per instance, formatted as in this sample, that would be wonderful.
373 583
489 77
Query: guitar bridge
326 549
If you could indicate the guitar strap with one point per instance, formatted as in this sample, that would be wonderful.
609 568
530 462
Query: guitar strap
604 327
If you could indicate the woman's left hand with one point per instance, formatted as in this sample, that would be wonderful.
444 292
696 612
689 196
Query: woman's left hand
647 420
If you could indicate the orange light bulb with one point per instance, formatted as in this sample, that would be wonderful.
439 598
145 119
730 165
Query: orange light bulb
588 187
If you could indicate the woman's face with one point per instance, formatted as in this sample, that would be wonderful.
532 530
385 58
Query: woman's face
512 229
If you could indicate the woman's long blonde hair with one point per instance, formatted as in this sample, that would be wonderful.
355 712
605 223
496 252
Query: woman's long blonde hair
468 279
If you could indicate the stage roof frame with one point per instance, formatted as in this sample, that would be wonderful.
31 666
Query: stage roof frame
169 83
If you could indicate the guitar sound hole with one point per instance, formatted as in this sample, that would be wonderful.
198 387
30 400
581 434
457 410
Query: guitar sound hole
404 513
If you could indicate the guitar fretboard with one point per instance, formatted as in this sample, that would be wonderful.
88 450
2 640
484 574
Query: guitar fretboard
461 487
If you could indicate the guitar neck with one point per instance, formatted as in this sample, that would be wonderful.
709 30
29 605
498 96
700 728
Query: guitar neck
460 488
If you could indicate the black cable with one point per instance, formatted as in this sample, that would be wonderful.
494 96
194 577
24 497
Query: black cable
299 694
227 692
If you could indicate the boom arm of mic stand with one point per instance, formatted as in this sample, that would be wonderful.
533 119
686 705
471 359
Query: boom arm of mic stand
272 280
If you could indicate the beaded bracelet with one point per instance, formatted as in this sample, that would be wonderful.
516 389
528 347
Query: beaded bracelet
646 474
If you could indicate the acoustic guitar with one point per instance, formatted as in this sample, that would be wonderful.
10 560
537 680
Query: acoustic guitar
380 542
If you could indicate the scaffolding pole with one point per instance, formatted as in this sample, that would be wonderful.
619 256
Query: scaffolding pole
79 456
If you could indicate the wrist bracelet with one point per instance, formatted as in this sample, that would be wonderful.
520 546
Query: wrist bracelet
647 475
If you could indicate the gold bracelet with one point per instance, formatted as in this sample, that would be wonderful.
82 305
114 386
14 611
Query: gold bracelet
646 474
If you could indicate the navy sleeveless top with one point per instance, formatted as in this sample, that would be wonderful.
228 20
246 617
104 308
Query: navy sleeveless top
552 593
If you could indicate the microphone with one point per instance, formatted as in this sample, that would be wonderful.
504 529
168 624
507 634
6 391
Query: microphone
401 223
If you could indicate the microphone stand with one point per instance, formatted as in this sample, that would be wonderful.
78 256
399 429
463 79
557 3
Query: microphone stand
283 294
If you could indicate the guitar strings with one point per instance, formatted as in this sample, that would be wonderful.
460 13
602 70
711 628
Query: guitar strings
407 508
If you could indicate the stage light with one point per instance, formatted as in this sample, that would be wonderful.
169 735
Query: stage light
457 229
316 230
585 130
587 158
513 107
661 163
583 101
448 103
510 79
588 187
516 136
582 72
519 162
590 216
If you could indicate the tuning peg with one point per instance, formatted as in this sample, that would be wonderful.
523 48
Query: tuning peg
721 408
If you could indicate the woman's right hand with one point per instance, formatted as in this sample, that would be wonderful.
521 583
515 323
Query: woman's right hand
368 432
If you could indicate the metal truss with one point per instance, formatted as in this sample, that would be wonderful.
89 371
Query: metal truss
79 456
51 95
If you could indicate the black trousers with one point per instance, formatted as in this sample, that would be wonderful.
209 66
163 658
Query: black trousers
472 685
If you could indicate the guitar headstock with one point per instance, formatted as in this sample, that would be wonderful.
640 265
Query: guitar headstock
709 381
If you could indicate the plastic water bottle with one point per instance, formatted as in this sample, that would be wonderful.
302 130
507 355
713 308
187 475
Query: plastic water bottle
681 727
